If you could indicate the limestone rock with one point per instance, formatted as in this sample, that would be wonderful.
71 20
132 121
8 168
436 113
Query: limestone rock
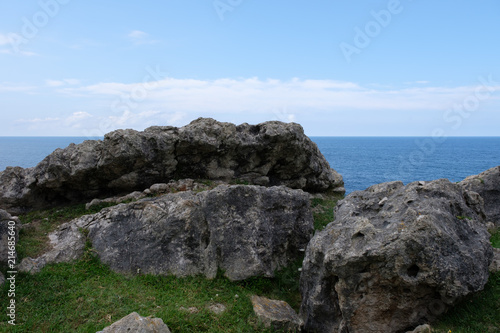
389 265
495 263
487 185
244 230
276 314
9 230
137 324
271 153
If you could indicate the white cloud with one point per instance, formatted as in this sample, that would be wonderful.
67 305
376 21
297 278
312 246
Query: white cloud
256 95
59 83
140 37
9 87
6 43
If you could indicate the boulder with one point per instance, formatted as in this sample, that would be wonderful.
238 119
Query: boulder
271 153
9 235
487 185
276 314
395 257
137 324
243 230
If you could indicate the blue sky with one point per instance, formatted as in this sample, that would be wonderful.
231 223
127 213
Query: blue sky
339 68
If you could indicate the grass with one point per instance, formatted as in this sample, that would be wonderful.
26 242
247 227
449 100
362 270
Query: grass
86 296
323 211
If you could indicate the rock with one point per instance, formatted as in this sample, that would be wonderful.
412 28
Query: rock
495 263
2 279
67 244
217 308
244 230
9 235
390 267
191 310
276 314
487 185
421 329
271 153
137 324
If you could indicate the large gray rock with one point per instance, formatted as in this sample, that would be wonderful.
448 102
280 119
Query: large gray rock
137 324
271 153
9 235
395 257
244 230
487 184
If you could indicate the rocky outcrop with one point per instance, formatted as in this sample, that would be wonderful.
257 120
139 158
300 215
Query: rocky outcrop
9 235
487 184
243 230
137 324
395 257
271 153
275 314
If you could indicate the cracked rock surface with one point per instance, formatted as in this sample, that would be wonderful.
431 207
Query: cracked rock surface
243 230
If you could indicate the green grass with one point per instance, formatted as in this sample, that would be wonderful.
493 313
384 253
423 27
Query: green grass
323 211
86 296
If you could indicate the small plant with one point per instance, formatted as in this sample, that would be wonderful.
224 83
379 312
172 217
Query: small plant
463 217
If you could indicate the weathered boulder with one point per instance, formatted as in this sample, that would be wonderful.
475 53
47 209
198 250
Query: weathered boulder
276 314
9 235
244 230
487 185
137 324
395 257
271 153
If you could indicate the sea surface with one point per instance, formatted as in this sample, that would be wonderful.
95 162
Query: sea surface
362 161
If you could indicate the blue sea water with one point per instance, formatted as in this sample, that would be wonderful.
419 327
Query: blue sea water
362 161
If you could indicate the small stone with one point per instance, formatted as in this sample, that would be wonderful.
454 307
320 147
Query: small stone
217 308
135 323
421 329
191 310
276 314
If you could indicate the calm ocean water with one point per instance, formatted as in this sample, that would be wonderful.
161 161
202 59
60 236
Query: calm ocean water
362 161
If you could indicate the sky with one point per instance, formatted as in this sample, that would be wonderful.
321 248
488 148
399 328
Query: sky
338 68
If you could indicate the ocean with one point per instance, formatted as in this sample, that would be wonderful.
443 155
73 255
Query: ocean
362 161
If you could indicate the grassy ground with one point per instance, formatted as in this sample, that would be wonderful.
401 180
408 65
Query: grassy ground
86 296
